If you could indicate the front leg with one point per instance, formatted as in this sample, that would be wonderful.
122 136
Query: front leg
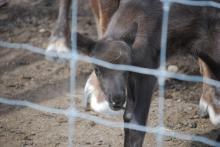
137 109
58 42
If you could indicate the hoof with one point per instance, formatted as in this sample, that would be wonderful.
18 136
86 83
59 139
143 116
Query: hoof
172 68
57 49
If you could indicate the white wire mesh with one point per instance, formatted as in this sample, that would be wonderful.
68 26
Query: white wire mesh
161 74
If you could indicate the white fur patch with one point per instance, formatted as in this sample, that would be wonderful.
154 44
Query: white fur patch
206 107
88 90
58 47
103 107
215 118
100 107
203 107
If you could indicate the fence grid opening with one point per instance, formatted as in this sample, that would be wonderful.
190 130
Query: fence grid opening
72 113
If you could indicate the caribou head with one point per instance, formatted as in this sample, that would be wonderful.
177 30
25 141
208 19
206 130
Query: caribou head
113 82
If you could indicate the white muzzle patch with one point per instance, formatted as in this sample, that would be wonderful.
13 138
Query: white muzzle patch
91 97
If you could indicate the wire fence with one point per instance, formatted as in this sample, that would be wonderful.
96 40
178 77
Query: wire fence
71 113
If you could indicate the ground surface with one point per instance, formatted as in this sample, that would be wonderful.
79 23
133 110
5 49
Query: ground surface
27 76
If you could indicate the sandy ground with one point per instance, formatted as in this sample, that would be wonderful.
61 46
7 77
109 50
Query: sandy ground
27 76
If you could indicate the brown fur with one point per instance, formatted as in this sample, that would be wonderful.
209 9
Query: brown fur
137 24
134 29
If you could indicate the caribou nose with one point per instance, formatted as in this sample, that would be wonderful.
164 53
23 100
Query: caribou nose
116 103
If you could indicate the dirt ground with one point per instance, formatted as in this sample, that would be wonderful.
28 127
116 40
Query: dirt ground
28 76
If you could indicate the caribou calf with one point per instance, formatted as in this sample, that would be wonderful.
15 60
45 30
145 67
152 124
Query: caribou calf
133 37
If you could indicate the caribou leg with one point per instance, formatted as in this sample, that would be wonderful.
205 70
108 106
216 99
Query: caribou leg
58 42
137 110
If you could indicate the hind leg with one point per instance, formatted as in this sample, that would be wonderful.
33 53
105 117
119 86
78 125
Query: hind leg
58 42
103 10
95 6
107 10
210 100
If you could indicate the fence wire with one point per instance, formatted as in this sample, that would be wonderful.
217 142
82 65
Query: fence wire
72 113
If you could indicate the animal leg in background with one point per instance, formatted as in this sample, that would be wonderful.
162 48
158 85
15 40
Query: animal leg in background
103 10
61 33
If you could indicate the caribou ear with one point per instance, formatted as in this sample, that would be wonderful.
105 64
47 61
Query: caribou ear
85 44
